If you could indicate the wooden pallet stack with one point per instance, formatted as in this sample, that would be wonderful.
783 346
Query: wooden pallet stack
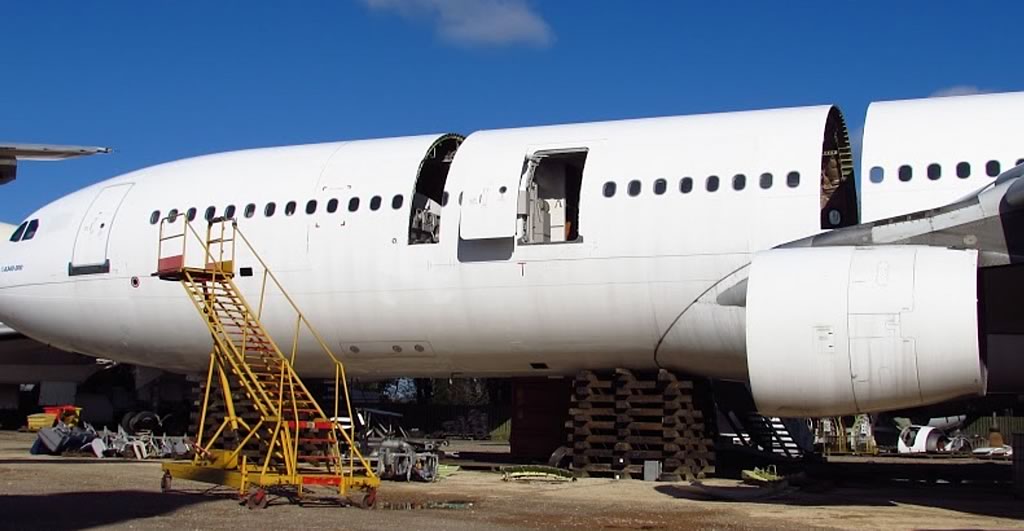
620 419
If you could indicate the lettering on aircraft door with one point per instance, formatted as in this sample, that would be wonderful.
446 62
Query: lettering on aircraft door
90 254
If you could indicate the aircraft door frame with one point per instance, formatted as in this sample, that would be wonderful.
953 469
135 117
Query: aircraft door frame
90 252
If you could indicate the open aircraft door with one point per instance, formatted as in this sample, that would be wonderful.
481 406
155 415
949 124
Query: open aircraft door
490 196
509 183
90 252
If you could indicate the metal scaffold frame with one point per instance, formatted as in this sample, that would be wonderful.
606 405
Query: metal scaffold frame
272 433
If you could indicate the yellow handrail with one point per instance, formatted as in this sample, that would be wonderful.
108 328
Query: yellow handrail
219 265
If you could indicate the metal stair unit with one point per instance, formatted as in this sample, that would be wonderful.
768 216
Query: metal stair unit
260 428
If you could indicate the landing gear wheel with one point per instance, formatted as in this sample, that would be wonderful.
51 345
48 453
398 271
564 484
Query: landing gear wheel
369 500
257 499
165 482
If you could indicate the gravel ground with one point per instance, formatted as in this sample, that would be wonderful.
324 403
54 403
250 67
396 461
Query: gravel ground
67 493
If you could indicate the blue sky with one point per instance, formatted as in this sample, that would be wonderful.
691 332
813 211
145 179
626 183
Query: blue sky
161 80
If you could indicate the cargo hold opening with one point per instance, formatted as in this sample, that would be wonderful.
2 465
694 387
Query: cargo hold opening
839 206
429 196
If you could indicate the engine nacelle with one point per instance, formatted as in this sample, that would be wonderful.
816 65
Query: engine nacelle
838 330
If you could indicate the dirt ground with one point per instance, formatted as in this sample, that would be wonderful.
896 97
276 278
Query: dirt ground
39 492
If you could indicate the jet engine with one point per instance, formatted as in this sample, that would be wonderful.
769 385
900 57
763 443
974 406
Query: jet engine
835 330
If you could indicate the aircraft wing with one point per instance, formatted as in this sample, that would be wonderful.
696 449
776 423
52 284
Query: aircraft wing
990 221
11 152
46 151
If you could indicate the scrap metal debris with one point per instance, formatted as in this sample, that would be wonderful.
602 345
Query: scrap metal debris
762 476
65 440
536 473
390 449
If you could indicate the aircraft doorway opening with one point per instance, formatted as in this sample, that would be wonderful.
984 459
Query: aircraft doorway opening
838 185
429 196
549 197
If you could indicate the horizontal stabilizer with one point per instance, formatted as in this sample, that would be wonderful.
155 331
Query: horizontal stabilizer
47 151
10 153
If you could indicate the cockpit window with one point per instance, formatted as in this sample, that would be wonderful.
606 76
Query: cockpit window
17 234
30 231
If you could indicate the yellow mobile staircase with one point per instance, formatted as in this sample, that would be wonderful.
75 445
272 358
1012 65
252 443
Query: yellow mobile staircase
260 429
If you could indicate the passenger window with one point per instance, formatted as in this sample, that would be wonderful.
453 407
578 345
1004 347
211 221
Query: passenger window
172 216
793 179
739 182
766 181
289 208
269 209
685 185
963 170
332 206
877 174
250 210
660 185
153 218
712 183
934 171
191 214
210 213
375 202
21 229
609 189
353 204
905 173
1019 162
311 206
633 188
229 212
396 202
444 199
992 168
30 231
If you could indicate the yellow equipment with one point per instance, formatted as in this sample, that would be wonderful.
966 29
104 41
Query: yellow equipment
38 421
260 427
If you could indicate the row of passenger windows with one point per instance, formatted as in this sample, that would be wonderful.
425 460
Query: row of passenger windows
26 231
271 208
934 171
712 183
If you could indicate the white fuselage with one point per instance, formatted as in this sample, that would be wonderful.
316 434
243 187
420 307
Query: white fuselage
638 289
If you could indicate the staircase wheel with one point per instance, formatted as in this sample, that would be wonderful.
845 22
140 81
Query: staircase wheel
165 482
369 500
258 499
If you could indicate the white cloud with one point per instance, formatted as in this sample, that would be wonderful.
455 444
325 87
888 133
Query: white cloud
958 90
475 22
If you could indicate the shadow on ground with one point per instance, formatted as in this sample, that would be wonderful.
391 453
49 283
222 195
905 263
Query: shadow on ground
984 500
78 510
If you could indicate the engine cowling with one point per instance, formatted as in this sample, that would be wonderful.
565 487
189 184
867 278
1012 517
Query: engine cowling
838 330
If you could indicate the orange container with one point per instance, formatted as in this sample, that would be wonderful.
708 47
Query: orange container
68 413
